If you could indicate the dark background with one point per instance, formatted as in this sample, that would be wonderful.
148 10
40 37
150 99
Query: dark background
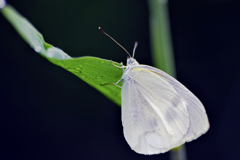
48 113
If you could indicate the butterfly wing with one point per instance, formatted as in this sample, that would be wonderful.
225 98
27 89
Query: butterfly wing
141 123
155 115
197 115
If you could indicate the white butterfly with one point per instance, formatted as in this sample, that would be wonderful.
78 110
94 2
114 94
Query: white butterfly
158 112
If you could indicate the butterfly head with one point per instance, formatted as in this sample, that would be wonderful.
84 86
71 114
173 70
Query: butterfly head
132 62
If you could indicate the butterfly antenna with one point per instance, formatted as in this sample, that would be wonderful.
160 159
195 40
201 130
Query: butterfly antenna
134 48
114 41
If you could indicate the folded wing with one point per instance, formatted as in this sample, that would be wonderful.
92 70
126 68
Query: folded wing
157 112
197 115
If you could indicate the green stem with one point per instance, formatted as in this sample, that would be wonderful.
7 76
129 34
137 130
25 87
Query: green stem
161 42
178 153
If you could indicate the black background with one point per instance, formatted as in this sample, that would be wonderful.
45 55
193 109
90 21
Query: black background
48 113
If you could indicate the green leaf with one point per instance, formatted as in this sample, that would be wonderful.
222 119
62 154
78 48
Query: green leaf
95 72
92 70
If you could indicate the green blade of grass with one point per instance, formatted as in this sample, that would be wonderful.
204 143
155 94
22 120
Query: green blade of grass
160 36
92 70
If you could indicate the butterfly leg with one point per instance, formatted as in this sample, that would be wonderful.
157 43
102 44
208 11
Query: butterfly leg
115 84
122 66
118 66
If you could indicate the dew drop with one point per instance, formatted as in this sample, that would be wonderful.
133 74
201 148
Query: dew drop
57 53
98 77
79 69
37 49
37 45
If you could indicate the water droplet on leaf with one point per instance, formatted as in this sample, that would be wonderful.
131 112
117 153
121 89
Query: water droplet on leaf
98 77
37 49
79 69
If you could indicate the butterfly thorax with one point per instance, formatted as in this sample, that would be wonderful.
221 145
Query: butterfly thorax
131 62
